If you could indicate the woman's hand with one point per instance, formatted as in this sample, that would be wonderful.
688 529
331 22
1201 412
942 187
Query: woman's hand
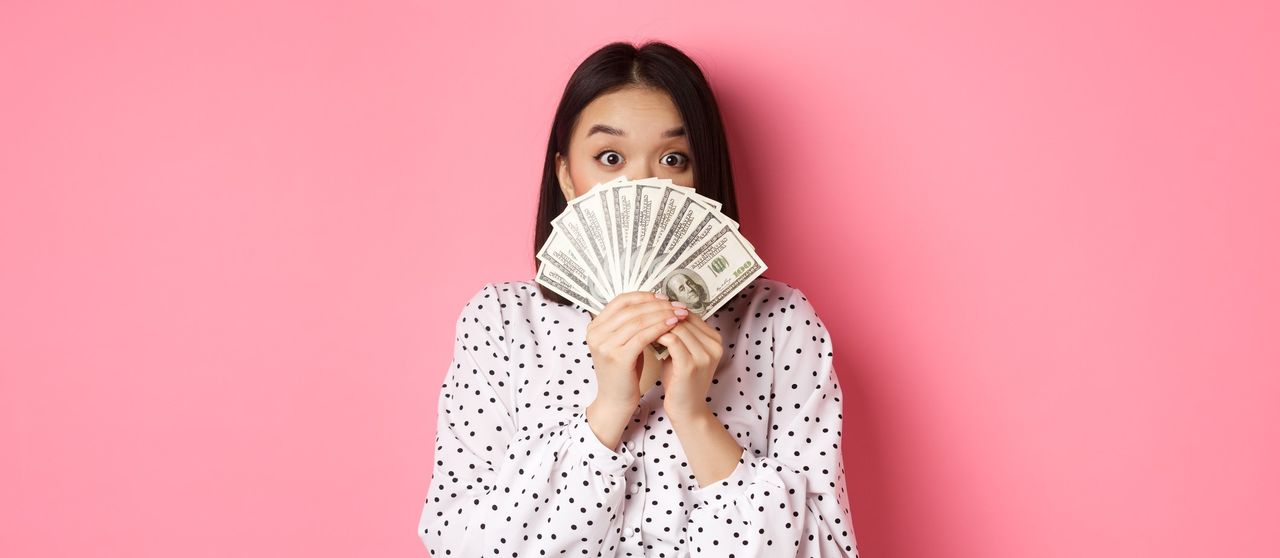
617 338
695 349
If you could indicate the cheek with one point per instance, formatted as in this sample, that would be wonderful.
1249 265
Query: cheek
586 175
682 177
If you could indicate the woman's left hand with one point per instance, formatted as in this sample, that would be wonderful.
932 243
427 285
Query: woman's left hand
694 349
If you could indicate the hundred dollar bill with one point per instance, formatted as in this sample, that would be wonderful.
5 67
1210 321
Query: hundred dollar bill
559 251
578 238
646 235
694 194
585 226
688 212
622 201
665 204
551 277
648 198
599 199
700 233
709 276
639 218
713 204
601 196
705 279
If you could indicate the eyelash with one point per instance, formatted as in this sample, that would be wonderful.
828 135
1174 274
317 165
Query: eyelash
682 155
597 156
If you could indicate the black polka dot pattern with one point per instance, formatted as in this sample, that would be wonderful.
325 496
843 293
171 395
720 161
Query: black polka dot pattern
519 472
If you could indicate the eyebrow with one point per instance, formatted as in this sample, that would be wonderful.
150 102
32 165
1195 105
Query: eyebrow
606 129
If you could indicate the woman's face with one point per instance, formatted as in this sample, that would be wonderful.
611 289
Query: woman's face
634 132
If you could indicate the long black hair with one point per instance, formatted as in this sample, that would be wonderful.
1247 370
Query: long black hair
653 64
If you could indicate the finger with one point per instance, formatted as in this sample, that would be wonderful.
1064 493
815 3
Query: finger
629 298
648 335
676 348
633 322
618 348
666 318
625 299
692 343
712 343
699 327
709 335
609 324
701 324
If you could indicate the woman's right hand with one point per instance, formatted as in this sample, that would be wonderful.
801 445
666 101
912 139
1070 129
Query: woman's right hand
617 338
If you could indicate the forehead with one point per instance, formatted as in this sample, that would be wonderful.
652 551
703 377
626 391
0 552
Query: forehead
640 112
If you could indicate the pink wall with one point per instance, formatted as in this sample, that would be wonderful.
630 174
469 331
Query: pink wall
235 237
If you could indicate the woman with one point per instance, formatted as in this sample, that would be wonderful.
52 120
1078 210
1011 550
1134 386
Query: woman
559 433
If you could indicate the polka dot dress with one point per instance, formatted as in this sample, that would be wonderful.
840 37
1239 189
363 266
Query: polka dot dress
518 471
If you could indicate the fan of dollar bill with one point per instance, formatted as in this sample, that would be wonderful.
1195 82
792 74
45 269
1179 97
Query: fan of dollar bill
646 235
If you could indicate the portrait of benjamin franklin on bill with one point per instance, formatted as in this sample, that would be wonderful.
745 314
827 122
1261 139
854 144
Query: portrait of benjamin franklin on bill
686 286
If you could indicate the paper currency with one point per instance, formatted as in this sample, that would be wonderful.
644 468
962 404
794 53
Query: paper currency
646 235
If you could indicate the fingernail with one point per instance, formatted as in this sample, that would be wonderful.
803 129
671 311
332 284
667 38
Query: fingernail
682 312
662 295
678 304
672 320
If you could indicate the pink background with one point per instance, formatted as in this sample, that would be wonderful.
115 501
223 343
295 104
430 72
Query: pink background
236 235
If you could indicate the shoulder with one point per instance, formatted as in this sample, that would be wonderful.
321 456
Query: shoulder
503 291
484 318
784 311
495 298
774 298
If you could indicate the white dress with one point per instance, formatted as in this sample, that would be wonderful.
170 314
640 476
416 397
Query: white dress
519 472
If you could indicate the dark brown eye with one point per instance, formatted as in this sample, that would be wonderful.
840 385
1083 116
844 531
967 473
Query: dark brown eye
610 158
675 159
